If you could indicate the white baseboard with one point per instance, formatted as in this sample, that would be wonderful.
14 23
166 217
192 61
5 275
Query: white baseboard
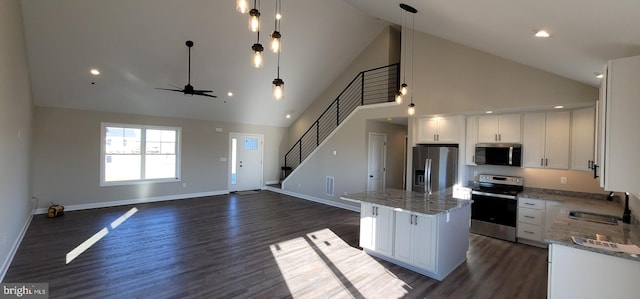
316 199
14 248
134 201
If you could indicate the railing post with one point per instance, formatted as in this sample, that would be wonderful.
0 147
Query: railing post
362 88
397 83
300 152
337 111
317 132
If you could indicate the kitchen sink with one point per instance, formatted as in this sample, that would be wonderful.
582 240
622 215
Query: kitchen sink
594 217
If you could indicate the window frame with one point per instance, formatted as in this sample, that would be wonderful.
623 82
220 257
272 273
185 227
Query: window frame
143 154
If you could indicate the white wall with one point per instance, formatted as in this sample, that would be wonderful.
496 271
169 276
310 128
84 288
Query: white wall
66 157
15 131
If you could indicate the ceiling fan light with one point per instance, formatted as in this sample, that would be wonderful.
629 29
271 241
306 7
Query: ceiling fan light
254 20
242 6
275 41
412 109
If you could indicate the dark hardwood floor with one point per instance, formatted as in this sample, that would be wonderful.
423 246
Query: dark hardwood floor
262 245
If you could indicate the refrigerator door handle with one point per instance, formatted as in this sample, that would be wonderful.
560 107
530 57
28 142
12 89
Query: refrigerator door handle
427 174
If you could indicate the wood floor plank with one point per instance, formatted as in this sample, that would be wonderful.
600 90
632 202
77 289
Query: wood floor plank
262 245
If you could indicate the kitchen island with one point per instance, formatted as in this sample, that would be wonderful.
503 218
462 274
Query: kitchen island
428 234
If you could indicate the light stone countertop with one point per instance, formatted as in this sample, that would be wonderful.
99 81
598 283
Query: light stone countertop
409 201
564 227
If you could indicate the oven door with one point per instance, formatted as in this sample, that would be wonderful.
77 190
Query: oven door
494 216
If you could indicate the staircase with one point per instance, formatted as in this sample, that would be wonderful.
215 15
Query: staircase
374 86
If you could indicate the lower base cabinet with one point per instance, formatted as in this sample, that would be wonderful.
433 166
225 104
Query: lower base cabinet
432 245
577 273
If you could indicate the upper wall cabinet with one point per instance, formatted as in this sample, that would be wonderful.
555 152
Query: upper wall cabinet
582 138
471 140
546 140
621 162
440 129
499 128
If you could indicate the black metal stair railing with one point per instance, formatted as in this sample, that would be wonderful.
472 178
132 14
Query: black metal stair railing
378 85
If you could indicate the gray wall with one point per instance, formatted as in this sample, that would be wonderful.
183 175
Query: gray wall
66 157
15 130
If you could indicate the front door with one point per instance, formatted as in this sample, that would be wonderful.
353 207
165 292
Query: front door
377 160
245 165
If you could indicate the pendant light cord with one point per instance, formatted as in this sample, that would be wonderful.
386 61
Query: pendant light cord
413 41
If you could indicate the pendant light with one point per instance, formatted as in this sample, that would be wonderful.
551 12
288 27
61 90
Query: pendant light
256 56
278 84
275 34
242 6
254 17
412 107
404 87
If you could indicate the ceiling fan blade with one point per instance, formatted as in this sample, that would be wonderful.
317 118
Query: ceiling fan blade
204 94
201 90
178 90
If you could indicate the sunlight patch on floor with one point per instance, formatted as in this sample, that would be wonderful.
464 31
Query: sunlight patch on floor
321 264
74 253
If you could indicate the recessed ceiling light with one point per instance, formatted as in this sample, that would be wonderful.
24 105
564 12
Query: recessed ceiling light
230 94
558 107
599 75
288 115
542 34
94 72
488 112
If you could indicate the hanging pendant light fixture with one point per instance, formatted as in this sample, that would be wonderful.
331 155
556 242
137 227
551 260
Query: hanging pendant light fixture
254 17
404 87
256 56
412 107
275 34
242 6
278 84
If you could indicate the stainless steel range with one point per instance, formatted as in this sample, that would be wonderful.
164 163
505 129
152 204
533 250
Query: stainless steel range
495 205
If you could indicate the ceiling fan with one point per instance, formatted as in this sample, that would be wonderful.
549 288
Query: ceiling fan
188 89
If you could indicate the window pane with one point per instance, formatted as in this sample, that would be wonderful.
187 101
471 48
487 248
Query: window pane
122 167
251 144
160 166
122 140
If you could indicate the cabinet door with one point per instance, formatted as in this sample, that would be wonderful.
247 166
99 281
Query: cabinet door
488 128
383 233
557 138
582 138
471 140
427 129
403 236
449 129
533 140
424 243
366 226
509 128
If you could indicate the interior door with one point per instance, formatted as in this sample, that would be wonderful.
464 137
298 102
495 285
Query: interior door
245 166
376 161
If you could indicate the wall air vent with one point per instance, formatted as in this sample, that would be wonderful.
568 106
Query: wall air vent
329 188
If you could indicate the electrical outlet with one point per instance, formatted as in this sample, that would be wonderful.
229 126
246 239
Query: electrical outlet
563 180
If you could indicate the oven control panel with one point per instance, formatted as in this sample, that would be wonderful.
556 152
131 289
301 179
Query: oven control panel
501 179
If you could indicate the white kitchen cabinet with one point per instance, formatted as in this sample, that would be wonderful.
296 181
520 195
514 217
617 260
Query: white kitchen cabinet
582 138
376 228
620 160
546 140
471 139
578 273
531 219
447 129
499 128
415 235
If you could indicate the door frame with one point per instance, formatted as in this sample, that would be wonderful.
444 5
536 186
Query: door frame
384 159
229 160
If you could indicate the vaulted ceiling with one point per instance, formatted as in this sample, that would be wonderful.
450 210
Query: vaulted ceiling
139 45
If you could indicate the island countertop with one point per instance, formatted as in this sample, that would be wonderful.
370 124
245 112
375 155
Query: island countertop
409 201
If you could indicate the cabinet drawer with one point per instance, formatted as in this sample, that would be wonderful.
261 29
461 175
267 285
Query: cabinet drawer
531 203
530 231
531 216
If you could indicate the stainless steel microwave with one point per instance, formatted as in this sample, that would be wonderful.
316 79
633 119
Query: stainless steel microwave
507 154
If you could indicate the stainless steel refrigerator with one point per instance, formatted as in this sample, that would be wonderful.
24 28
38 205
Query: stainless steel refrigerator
435 168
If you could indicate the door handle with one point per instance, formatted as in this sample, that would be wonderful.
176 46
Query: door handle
370 176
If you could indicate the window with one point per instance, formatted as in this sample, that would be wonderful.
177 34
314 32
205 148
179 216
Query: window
135 153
